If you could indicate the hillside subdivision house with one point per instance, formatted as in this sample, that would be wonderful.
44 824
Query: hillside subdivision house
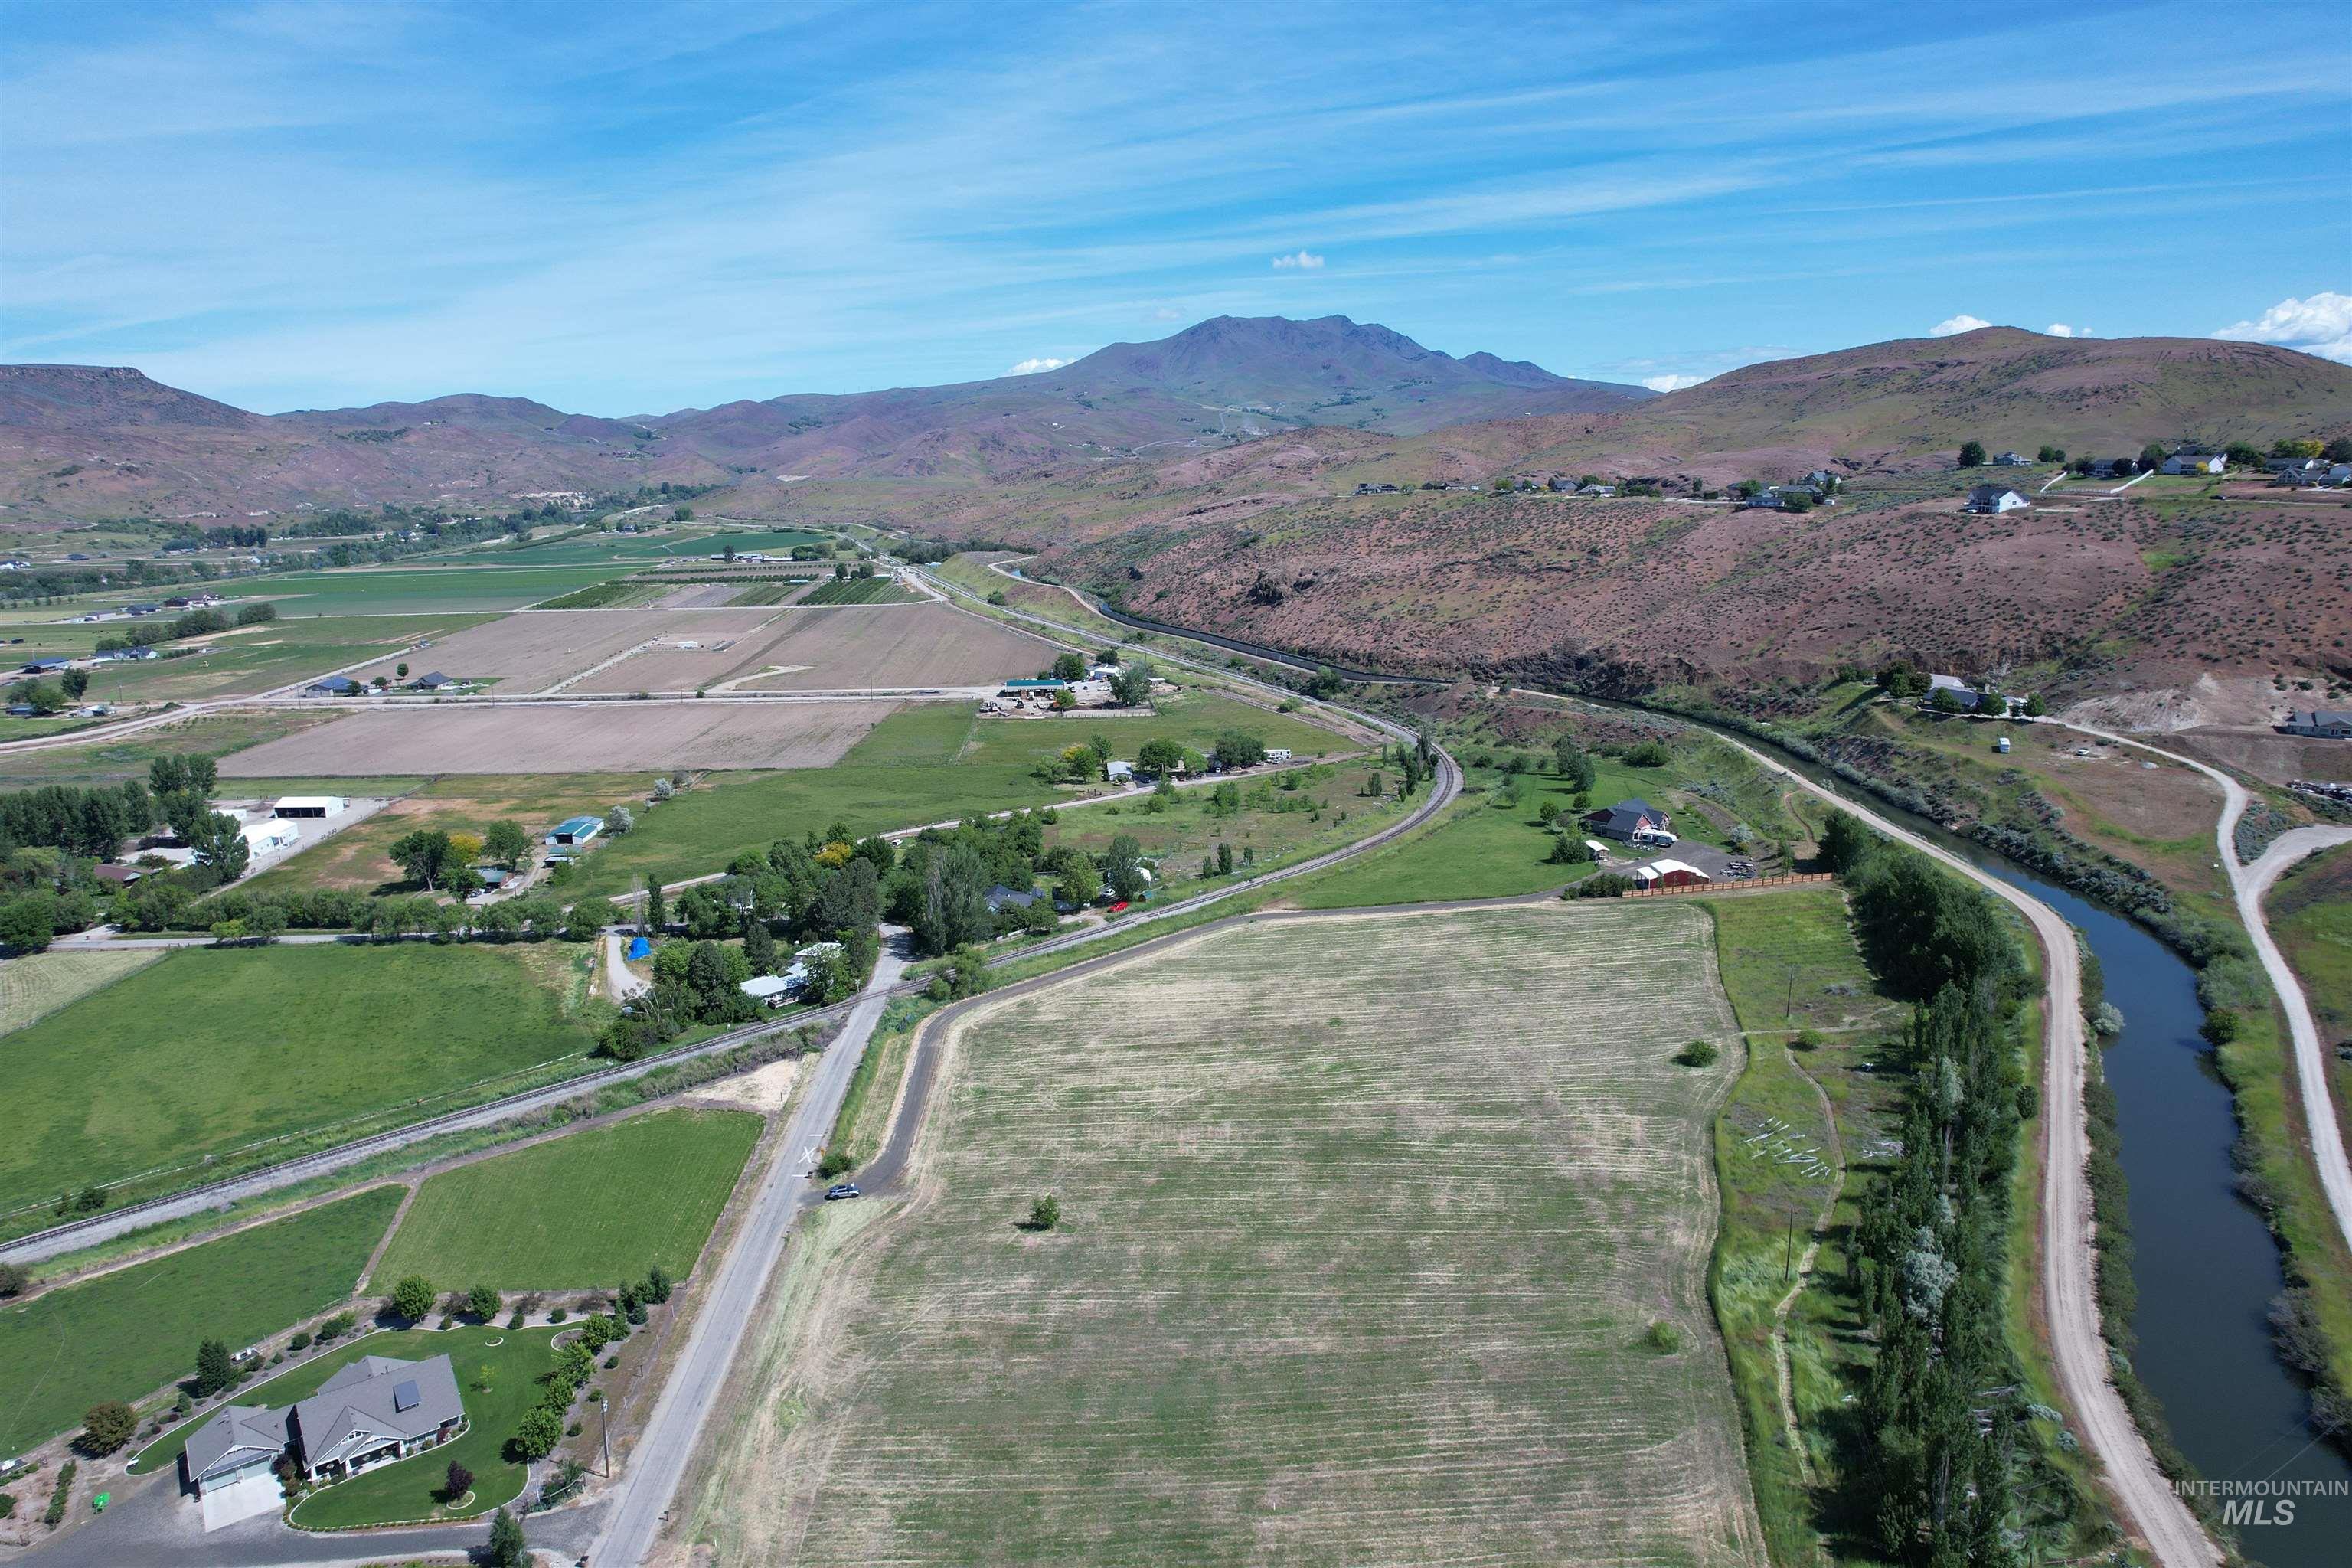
1628 819
1992 500
2327 725
2011 460
1670 874
373 1411
1959 691
2194 463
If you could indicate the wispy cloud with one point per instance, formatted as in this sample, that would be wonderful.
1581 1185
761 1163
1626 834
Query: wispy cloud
313 204
1960 323
2319 324
2061 329
1671 383
1032 366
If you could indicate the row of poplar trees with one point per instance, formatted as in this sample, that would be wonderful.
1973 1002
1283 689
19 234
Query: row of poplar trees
1938 1468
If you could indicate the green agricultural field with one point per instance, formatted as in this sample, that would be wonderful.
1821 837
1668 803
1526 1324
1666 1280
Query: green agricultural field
586 1209
1183 831
860 590
259 658
124 1335
474 586
766 542
103 760
1380 1239
1790 963
1796 1123
926 763
38 984
213 1060
1477 849
498 1378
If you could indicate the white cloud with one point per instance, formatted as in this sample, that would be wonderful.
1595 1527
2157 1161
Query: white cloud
1305 261
1167 313
2320 325
2061 329
1671 383
1032 366
1960 323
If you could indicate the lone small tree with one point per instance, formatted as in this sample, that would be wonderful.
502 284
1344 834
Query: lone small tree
1045 1214
483 1302
1972 454
413 1297
456 1483
106 1427
507 1547
214 1371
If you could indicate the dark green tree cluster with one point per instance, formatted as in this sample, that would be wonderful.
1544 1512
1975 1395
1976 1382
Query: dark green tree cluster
92 822
1941 1466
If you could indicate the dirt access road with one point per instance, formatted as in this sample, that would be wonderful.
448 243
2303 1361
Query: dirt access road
2248 885
2150 1507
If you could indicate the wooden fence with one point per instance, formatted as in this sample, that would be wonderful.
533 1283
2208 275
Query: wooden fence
1745 885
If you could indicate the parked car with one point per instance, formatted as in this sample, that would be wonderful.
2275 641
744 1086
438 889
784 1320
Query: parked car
842 1190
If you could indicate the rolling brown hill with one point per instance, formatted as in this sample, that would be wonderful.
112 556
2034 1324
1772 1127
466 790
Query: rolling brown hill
136 447
1268 541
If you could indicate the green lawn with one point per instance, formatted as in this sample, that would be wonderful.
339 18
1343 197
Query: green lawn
498 1383
592 1208
125 1335
926 763
174 1074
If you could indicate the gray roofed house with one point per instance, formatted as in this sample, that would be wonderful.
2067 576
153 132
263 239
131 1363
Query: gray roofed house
377 1409
239 1442
332 686
2335 725
1002 897
434 681
1994 498
1626 818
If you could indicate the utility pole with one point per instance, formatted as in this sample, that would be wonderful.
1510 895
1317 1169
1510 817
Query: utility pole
604 1427
1788 1264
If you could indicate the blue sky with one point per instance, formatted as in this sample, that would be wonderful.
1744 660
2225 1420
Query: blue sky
633 209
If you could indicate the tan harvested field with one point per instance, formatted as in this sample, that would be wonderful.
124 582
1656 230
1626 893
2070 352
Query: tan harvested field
699 595
845 647
1366 1220
39 984
532 649
599 737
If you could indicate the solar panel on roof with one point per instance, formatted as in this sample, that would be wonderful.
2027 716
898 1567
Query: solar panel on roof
406 1398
